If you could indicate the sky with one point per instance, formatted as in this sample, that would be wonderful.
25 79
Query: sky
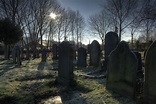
86 9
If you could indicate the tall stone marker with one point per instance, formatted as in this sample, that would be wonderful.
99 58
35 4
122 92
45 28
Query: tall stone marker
82 55
95 54
55 51
65 67
18 50
111 42
44 55
122 70
150 75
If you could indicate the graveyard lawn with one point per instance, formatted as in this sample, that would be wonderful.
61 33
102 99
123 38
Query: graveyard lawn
34 83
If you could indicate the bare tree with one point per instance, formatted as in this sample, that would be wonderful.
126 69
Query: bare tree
79 27
99 24
119 11
72 15
11 9
148 20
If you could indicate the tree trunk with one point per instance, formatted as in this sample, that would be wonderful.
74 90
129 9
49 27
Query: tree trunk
120 31
132 40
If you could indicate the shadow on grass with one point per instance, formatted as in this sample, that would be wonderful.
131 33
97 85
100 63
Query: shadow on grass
41 65
7 68
72 94
36 92
30 78
8 100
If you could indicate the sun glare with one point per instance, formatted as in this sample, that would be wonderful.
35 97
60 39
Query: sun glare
53 15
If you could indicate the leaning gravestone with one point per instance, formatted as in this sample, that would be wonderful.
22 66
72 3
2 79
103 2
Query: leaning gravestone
44 55
95 54
65 67
122 70
111 41
150 75
82 54
54 51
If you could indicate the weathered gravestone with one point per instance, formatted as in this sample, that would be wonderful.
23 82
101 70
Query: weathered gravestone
37 53
55 51
34 53
65 67
122 70
138 55
27 53
140 74
111 41
74 50
82 54
89 48
22 53
150 75
95 54
16 52
44 55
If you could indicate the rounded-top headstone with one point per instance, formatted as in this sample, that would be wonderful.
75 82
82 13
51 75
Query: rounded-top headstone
95 53
82 55
111 41
65 67
150 75
122 70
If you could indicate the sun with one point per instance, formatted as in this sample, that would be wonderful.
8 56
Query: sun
53 15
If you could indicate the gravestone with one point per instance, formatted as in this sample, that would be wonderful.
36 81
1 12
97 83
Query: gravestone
111 41
150 75
37 53
82 54
122 70
138 55
14 54
65 67
18 53
89 48
34 53
44 55
95 54
22 53
55 51
27 53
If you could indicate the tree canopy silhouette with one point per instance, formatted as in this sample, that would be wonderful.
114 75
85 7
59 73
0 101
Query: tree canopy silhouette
10 33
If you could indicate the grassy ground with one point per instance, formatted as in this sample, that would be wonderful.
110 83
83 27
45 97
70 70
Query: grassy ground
34 83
